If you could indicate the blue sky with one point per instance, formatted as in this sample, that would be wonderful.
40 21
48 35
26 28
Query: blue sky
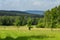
23 5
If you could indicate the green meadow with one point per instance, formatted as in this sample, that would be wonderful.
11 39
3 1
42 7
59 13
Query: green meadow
22 33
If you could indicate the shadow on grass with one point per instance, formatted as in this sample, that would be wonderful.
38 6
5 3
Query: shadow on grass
27 37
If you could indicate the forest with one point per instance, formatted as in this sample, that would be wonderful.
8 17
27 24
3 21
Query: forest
50 19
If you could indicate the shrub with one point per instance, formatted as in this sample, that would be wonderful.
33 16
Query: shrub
40 25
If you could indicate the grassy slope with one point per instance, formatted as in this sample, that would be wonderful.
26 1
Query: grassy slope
11 33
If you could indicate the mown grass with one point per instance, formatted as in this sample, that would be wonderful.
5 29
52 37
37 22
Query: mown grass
13 33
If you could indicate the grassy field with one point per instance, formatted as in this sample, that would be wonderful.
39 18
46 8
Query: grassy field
22 33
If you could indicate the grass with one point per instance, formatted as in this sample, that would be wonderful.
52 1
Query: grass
22 33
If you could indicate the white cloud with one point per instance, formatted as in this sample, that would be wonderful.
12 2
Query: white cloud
46 4
36 3
28 4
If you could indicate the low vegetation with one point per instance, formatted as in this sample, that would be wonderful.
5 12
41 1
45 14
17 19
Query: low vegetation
13 33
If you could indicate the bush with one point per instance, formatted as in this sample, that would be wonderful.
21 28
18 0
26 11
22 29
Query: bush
40 25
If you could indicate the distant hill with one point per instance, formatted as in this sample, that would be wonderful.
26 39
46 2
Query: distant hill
18 13
35 12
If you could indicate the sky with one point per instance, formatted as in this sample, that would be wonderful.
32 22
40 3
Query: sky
23 5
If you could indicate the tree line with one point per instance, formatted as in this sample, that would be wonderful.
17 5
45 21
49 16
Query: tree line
17 20
51 19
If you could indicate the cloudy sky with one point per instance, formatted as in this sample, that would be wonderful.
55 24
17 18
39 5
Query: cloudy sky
28 4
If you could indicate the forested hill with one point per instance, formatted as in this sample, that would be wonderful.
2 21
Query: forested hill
17 13
35 12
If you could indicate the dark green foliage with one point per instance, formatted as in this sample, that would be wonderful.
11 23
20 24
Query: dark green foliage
40 23
29 23
17 21
52 17
35 21
6 20
18 18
